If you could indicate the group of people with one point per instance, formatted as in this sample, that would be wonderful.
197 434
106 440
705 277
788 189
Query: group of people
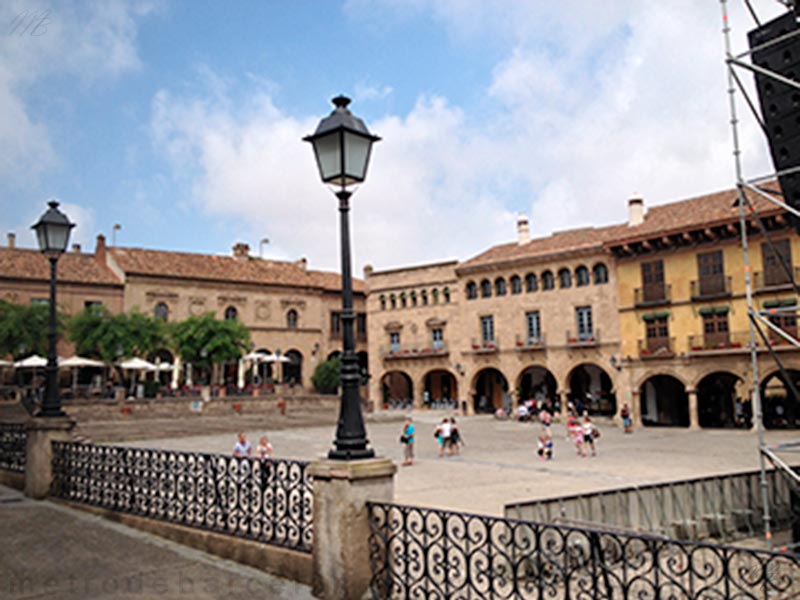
582 432
447 434
243 448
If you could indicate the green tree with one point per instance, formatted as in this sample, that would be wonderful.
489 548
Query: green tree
203 340
326 376
97 333
24 328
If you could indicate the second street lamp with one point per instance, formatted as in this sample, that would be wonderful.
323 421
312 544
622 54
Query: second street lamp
342 147
52 233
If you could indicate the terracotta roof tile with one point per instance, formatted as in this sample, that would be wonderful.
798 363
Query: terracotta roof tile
24 263
227 269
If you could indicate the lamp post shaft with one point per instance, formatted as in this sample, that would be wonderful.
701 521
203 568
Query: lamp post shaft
51 406
351 436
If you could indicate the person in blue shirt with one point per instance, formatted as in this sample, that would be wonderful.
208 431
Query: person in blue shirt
408 440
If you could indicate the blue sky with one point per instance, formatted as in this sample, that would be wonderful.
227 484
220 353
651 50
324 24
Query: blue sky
182 120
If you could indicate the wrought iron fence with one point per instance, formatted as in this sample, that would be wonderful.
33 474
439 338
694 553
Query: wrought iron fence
13 439
424 553
267 501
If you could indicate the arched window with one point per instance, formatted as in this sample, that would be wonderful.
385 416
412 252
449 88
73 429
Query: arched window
564 278
291 319
413 298
472 292
393 300
161 311
486 288
383 302
435 294
231 313
581 276
548 281
516 284
500 286
531 283
403 299
446 293
600 273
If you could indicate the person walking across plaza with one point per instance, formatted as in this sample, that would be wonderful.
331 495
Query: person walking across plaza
407 439
590 432
242 449
625 414
442 434
455 437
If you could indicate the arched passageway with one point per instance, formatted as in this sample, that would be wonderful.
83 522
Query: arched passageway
491 392
537 383
664 402
717 402
780 405
397 389
293 370
441 389
591 389
263 370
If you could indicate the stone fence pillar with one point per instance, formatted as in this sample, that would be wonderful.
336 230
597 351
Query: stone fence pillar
341 523
42 432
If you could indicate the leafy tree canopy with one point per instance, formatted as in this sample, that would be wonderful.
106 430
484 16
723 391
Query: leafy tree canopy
24 328
97 333
203 340
326 376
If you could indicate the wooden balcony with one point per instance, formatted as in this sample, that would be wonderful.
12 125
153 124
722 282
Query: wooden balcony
719 342
775 280
526 344
709 288
583 340
653 348
653 295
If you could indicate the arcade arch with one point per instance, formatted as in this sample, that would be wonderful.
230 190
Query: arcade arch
664 402
716 400
779 405
491 392
538 383
397 390
591 389
440 388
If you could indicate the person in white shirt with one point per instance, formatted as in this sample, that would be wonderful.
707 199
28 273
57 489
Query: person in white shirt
242 449
264 449
588 435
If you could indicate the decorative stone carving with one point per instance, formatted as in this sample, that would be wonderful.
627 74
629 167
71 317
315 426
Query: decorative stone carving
263 310
197 306
296 302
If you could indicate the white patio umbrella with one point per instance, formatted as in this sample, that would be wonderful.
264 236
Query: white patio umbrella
255 356
34 361
77 362
5 363
272 358
165 366
137 364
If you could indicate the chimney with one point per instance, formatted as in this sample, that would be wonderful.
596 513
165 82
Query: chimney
635 210
100 249
241 251
76 248
523 231
302 263
12 240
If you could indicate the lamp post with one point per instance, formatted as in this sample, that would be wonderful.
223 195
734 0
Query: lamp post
342 145
52 233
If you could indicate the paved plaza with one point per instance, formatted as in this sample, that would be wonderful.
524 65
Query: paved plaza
499 465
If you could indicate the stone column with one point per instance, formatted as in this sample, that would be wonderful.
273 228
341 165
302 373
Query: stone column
42 432
341 523
636 408
694 420
563 398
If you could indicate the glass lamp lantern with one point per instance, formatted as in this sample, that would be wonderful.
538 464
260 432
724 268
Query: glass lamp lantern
52 231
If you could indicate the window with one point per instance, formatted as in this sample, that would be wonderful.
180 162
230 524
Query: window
582 276
437 339
500 286
487 329
291 319
657 332
533 327
531 283
435 294
231 313
361 327
486 288
583 317
774 273
564 278
653 288
393 300
711 273
413 298
92 304
548 282
394 341
383 302
161 311
600 272
715 329
403 299
424 294
336 325
446 292
472 292
516 284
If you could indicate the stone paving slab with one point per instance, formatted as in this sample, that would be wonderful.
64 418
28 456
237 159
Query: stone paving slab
51 551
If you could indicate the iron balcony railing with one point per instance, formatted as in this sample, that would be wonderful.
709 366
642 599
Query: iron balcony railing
13 439
710 342
583 338
706 288
427 553
269 501
775 278
660 347
653 294
485 346
402 352
523 343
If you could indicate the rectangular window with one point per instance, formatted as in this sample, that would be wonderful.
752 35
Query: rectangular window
361 327
653 281
394 341
583 317
533 326
487 329
715 330
774 272
657 331
92 304
711 273
786 321
336 325
437 339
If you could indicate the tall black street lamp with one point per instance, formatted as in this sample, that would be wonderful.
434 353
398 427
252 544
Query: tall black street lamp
342 145
52 233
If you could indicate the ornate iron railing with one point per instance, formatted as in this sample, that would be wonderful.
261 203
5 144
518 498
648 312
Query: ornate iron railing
267 501
13 439
424 553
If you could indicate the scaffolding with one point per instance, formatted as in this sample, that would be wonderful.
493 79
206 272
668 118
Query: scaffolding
761 325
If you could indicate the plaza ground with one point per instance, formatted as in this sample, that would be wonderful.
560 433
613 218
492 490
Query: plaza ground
498 463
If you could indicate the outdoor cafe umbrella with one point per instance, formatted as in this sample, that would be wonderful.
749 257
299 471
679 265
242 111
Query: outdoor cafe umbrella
34 361
77 362
136 364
